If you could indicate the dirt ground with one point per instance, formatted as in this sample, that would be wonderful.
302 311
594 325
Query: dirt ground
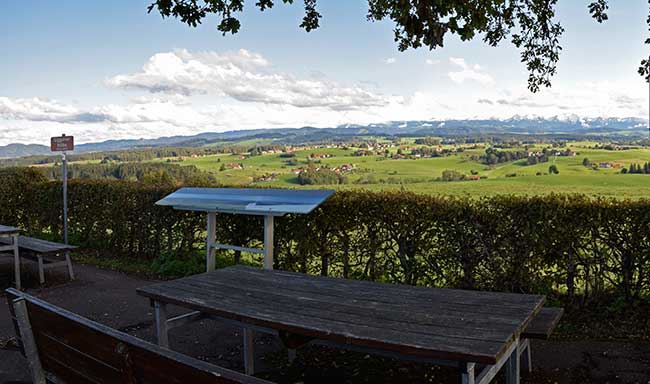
109 297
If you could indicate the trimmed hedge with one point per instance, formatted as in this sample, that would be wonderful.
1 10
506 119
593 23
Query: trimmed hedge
566 243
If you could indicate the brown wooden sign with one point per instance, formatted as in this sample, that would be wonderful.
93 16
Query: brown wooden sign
62 143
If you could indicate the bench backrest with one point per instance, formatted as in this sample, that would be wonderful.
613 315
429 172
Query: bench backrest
70 348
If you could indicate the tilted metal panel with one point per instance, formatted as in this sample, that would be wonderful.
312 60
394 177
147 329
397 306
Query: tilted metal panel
248 201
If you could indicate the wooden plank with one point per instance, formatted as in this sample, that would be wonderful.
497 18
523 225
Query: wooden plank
78 350
39 246
439 323
319 283
543 324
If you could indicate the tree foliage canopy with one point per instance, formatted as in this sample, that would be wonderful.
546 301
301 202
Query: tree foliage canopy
530 25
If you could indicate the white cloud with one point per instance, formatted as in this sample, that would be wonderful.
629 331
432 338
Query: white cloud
187 93
390 60
468 72
432 62
242 76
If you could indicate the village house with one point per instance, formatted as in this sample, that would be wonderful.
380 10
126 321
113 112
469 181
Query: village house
320 155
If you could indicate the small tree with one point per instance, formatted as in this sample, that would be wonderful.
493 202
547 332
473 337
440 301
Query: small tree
222 168
553 169
586 162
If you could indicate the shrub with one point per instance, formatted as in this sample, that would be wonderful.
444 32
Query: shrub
556 243
452 175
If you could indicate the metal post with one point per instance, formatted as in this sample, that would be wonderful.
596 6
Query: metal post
512 366
249 351
467 373
162 335
210 262
65 198
268 242
14 242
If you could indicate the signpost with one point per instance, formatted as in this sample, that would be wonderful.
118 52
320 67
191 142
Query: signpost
63 144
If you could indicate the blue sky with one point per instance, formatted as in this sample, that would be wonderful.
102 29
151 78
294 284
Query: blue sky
106 70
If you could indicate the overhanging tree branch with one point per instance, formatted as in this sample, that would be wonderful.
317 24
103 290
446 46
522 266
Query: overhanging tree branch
529 24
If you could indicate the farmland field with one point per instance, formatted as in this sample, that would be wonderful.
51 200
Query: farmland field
421 175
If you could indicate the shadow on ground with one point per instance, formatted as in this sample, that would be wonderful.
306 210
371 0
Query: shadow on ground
109 297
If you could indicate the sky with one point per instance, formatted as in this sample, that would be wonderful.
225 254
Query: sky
102 70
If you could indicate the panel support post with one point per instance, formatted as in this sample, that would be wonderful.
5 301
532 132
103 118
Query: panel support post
28 341
162 336
467 373
512 367
249 351
14 241
210 262
268 242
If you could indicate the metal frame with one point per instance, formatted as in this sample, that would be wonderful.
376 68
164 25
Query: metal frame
212 245
42 266
14 248
510 360
261 202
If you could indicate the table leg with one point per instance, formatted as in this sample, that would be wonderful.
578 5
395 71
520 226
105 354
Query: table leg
512 367
249 352
41 272
69 261
291 354
526 358
467 373
16 261
161 324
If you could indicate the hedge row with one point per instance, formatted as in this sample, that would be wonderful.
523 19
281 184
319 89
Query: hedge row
566 243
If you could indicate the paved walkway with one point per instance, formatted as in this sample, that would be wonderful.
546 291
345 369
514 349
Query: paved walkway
109 297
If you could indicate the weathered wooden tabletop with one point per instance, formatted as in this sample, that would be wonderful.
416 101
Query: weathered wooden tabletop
6 230
425 322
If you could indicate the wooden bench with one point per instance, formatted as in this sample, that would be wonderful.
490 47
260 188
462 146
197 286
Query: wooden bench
541 327
543 324
44 251
61 346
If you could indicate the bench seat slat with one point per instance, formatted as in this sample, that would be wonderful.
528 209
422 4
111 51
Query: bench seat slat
543 324
39 246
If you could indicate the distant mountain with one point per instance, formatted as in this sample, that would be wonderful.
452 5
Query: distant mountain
531 125
20 150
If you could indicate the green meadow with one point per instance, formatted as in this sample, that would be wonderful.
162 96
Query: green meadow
420 175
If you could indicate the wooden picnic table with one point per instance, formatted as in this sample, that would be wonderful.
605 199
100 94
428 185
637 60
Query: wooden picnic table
26 247
460 328
11 235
